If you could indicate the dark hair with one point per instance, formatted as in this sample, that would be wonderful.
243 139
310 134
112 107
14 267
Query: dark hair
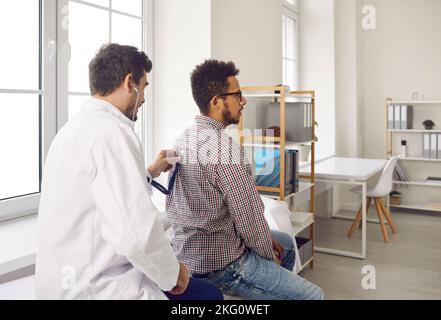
210 79
112 64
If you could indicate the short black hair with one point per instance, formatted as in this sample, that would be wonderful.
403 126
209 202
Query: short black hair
112 64
210 79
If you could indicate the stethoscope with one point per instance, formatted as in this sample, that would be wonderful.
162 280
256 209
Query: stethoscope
171 183
152 182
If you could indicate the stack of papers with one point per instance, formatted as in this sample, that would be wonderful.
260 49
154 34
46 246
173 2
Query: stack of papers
400 173
434 180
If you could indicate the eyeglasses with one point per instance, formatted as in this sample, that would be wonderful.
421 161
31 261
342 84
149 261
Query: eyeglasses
236 94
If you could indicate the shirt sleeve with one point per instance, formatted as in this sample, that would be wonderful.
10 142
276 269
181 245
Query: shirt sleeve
244 203
127 216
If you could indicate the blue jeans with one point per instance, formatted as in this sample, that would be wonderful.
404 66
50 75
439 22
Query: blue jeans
198 290
252 277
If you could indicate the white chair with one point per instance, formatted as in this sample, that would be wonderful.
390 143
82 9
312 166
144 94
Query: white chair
377 193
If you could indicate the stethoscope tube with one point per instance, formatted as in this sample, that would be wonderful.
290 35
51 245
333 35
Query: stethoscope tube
171 183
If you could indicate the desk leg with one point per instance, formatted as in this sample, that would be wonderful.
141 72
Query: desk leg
363 220
344 253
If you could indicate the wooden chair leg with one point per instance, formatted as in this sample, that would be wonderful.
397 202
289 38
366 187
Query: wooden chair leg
354 225
388 217
358 217
368 205
381 217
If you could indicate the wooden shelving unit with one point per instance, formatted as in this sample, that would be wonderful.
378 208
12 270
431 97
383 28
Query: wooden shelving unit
283 95
391 134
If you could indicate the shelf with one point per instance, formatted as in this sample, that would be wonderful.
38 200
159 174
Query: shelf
289 145
421 183
415 102
422 207
419 159
299 228
303 186
260 138
290 97
413 131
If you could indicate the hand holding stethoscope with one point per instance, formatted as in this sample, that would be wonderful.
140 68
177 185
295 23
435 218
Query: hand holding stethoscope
163 163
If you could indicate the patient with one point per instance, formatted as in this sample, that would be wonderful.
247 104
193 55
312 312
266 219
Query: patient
218 225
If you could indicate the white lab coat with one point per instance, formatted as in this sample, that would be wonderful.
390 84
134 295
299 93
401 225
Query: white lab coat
99 236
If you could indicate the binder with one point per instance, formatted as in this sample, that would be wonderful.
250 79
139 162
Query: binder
268 173
296 170
433 146
397 117
406 117
288 173
390 118
426 146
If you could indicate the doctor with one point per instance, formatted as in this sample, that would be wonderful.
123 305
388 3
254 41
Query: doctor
99 235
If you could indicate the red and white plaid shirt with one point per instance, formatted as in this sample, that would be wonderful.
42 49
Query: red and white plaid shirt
215 209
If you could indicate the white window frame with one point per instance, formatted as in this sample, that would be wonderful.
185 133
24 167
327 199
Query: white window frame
291 11
54 93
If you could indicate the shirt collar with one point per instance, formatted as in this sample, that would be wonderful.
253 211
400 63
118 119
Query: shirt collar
210 122
99 104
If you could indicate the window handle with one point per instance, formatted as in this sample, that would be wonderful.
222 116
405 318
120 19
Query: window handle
52 45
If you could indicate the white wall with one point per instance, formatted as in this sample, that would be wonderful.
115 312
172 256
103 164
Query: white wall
249 32
317 66
401 56
347 75
182 40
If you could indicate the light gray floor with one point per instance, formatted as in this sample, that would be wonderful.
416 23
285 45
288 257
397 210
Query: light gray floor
409 267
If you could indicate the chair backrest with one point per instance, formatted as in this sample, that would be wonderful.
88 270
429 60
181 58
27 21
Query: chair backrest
384 185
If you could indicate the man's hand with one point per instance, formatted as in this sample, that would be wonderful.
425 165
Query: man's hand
164 162
278 251
183 280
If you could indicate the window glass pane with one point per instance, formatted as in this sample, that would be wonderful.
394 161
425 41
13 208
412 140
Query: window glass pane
295 45
88 31
75 104
283 36
127 30
102 3
291 74
285 81
128 6
290 38
19 144
19 38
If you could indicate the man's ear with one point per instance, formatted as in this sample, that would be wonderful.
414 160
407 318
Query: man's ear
128 83
216 103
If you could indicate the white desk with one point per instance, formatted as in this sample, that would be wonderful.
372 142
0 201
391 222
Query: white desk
352 171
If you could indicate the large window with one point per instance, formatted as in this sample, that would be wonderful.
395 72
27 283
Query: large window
23 91
46 49
19 98
290 56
